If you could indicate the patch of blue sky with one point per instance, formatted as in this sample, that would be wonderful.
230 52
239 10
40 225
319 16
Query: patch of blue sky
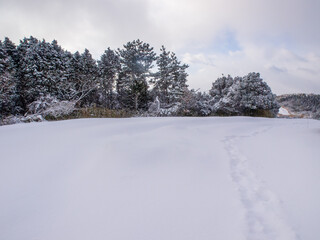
225 42
221 43
283 40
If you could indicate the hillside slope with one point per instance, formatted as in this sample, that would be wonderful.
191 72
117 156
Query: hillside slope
161 178
301 105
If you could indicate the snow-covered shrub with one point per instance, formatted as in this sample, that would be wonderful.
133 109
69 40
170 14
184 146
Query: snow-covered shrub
170 111
248 95
203 104
195 103
48 106
188 106
11 119
154 107
256 94
220 88
192 103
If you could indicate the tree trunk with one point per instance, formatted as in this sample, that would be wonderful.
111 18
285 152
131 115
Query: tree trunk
136 101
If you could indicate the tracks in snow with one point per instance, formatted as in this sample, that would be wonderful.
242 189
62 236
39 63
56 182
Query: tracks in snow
265 219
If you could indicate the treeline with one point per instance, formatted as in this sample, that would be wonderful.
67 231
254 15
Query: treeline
37 74
120 79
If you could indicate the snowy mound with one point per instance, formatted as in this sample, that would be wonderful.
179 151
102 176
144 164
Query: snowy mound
283 112
161 178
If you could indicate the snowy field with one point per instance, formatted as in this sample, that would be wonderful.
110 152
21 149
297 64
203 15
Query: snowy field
231 178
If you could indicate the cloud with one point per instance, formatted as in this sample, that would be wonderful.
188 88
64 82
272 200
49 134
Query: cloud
283 70
280 39
200 58
277 69
94 24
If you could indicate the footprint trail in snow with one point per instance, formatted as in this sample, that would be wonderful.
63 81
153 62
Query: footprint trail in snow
265 218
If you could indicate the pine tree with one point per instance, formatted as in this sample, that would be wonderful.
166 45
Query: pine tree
11 50
88 79
89 67
28 74
74 70
136 62
108 67
179 79
8 85
37 72
3 59
80 77
164 77
57 71
8 95
42 70
170 82
67 87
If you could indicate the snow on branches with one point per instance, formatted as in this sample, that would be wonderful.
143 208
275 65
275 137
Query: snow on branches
51 106
246 95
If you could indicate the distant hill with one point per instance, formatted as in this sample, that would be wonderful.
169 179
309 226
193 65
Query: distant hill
301 105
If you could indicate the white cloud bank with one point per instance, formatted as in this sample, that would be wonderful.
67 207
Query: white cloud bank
279 39
282 69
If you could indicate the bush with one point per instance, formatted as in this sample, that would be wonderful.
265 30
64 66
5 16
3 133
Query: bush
249 96
51 107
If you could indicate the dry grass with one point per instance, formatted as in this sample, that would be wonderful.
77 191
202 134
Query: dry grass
93 112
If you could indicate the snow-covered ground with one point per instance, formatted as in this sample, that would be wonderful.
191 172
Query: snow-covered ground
231 178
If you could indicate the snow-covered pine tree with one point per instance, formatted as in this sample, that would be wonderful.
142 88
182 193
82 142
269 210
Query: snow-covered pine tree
137 60
89 66
22 87
88 76
8 92
164 77
179 79
74 70
42 70
11 50
31 64
3 59
108 67
57 73
67 87
8 95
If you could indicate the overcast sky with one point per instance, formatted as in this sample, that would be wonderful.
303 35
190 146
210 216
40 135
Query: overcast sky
278 38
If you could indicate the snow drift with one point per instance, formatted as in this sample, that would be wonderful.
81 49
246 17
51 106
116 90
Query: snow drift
160 178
